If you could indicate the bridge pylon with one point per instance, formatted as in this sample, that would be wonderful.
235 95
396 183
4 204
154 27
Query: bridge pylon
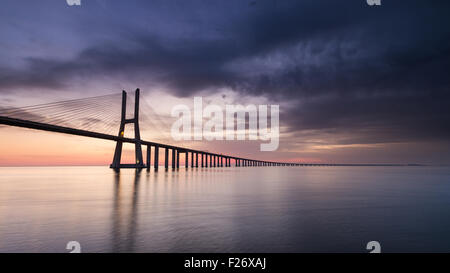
139 163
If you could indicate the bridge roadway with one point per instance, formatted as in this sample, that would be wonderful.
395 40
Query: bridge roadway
214 158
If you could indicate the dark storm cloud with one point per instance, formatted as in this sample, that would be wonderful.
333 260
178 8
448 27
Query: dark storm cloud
190 64
378 72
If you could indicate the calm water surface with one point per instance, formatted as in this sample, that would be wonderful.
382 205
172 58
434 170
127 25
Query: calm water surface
260 209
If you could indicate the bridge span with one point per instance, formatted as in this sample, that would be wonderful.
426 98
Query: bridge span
196 158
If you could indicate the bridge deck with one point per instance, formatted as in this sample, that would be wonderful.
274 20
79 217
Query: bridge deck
72 131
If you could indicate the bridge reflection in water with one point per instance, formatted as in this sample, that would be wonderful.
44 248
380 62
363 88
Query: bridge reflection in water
267 209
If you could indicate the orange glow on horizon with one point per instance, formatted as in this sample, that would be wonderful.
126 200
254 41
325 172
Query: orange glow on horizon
27 147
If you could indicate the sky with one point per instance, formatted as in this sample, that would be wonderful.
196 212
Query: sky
355 83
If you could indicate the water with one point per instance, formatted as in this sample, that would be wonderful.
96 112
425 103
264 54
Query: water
259 209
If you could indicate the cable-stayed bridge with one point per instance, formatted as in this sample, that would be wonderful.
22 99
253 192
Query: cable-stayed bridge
98 117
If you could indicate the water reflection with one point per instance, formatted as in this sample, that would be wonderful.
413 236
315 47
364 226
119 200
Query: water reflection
125 223
314 209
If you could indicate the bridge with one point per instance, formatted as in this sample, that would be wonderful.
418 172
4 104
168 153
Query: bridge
39 117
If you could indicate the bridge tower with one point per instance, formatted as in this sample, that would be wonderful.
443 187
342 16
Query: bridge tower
137 136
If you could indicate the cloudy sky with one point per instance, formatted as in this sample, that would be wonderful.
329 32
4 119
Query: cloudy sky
355 83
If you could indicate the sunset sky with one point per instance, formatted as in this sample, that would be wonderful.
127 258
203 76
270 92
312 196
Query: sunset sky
355 83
